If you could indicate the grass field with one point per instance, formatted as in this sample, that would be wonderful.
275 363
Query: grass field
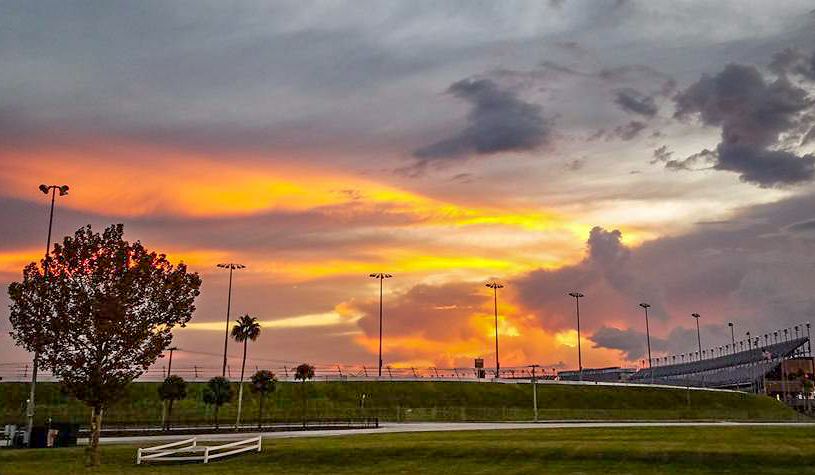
414 401
748 450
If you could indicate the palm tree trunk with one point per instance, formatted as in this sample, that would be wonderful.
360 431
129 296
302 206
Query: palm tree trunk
169 413
240 390
260 411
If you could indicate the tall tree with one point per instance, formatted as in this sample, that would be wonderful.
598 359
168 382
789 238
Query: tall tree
246 328
217 392
110 307
174 388
304 372
263 383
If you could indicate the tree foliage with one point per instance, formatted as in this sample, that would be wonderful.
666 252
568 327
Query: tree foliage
217 393
104 314
304 372
246 328
174 388
263 383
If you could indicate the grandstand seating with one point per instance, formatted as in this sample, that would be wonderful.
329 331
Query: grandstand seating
738 369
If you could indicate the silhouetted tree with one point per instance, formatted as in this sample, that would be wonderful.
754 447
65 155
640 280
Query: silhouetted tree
174 388
263 383
218 392
103 316
303 373
246 328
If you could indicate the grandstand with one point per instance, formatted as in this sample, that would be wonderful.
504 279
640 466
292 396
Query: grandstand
746 370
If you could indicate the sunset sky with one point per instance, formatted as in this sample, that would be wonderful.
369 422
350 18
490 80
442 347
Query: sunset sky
631 150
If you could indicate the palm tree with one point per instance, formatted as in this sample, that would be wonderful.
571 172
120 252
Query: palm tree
263 382
246 328
304 372
174 388
217 392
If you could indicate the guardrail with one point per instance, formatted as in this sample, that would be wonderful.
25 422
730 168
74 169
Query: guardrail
169 452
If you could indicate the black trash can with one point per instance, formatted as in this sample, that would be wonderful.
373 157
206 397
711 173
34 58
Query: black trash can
39 437
67 435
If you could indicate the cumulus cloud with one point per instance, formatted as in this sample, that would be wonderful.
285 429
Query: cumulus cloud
753 113
499 121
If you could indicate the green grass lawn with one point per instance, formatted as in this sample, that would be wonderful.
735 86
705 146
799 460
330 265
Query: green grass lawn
748 450
412 401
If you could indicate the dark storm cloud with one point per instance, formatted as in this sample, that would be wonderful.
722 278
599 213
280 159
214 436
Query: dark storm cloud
499 121
765 167
633 101
794 61
754 269
633 344
753 113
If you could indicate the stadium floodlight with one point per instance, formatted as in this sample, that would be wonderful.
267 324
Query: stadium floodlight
495 286
577 296
749 342
232 267
646 306
698 335
381 276
30 407
732 336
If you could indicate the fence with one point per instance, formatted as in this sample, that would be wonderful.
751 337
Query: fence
169 452
21 372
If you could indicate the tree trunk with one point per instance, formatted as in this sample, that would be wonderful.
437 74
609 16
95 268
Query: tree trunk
260 410
240 390
169 413
92 451
217 406
305 400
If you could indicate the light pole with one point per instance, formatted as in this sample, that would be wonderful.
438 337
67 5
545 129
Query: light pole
645 307
732 336
495 286
231 266
577 296
698 337
749 342
63 190
534 391
381 277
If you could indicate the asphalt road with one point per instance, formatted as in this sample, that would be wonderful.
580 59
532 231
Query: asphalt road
390 427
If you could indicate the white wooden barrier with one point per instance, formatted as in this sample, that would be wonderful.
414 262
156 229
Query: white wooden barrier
168 452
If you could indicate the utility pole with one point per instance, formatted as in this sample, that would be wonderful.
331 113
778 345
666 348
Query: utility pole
170 365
